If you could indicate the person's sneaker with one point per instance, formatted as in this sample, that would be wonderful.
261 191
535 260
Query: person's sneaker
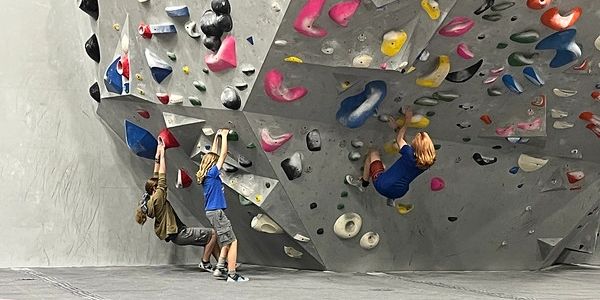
208 267
355 182
237 265
220 273
236 278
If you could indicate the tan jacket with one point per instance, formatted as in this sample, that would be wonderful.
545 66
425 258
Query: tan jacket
161 210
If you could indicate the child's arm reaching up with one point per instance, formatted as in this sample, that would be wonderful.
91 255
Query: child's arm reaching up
223 151
408 114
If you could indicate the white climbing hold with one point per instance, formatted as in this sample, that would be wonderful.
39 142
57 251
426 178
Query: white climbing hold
558 114
424 55
280 42
564 93
597 43
208 131
369 240
192 29
264 223
347 225
301 238
530 164
562 125
291 252
276 7
362 61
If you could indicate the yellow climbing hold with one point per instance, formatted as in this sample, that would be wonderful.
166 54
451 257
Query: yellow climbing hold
432 8
391 147
403 209
186 70
345 85
258 198
116 26
138 76
141 92
293 59
417 121
393 42
412 68
435 78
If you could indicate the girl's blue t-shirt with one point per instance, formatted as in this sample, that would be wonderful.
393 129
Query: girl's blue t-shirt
214 192
394 182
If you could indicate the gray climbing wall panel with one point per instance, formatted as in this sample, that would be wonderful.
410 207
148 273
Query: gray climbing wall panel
498 209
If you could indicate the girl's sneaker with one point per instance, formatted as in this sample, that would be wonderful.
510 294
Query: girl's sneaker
205 266
220 273
236 278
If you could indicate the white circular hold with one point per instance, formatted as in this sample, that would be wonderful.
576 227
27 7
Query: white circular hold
369 240
597 43
347 225
362 61
327 50
264 223
361 37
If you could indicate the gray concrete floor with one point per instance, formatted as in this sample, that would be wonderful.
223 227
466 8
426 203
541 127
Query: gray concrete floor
187 282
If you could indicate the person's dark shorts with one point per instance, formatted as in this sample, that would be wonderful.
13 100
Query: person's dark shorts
222 226
375 169
196 236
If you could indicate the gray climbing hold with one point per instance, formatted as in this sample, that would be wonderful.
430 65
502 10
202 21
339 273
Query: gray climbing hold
291 252
172 55
384 118
493 91
230 98
502 6
445 96
248 70
426 101
354 155
244 162
492 17
292 167
313 140
229 168
357 143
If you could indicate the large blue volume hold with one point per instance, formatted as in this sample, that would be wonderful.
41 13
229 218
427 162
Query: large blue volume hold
140 141
355 110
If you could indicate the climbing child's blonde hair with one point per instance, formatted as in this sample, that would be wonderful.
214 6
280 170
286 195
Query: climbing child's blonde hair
424 150
208 160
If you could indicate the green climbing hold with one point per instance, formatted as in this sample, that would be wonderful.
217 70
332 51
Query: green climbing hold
445 96
251 146
503 6
501 45
243 200
195 101
200 85
525 37
426 101
340 206
344 194
519 59
492 17
172 56
233 136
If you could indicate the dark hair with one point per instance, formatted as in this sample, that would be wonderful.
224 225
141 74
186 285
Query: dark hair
151 184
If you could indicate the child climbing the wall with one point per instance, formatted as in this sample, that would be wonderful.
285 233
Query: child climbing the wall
214 205
394 181
167 225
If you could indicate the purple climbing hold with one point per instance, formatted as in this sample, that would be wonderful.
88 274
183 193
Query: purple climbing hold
512 84
140 141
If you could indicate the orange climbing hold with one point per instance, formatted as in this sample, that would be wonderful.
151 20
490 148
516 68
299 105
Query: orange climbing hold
553 19
538 4
486 119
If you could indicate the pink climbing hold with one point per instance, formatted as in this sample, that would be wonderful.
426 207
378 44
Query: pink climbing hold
143 113
505 131
530 126
437 184
308 14
342 12
275 88
457 27
168 139
463 51
225 58
269 143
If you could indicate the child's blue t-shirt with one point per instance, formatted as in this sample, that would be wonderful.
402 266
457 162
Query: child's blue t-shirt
214 193
394 182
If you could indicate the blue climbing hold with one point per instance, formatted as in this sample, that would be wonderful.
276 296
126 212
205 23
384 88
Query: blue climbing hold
250 40
513 170
533 76
512 84
140 141
177 11
567 50
355 110
112 78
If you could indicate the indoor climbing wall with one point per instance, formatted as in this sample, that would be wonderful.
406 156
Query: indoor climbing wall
507 90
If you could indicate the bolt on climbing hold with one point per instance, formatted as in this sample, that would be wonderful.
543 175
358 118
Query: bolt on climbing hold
344 194
186 70
528 208
116 26
504 243
403 209
293 59
531 231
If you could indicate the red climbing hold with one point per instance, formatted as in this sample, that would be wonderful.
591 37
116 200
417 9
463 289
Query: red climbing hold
183 179
590 117
437 184
163 98
143 113
123 66
168 139
596 95
575 176
595 129
144 30
553 19
486 119
538 4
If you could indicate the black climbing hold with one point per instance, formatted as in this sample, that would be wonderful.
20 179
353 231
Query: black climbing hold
225 23
492 17
466 139
241 86
90 7
313 140
484 161
520 185
320 231
229 168
292 167
220 6
430 113
466 74
208 24
267 185
212 43
481 36
230 98
95 92
597 85
248 71
437 146
92 48
344 194
514 18
463 125
497 147
340 206
452 219
494 92
205 70
313 205
250 40
251 146
485 6
244 162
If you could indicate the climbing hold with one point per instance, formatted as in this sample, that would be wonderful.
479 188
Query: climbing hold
567 50
457 27
185 70
501 45
370 239
140 141
538 4
264 223
492 17
503 6
539 101
490 79
251 146
532 75
230 98
512 84
112 79
340 206
402 208
158 67
208 131
241 86
90 7
596 95
594 128
276 90
123 66
293 59
530 164
484 160
357 144
519 59
355 110
199 85
301 238
585 67
147 30
562 125
445 96
220 6
305 20
486 119
553 19
354 155
485 6
244 201
342 12
250 40
344 194
183 179
536 124
177 11
248 70
590 117
452 219
163 98
139 77
291 252
313 140
392 42
225 58
292 167
435 78
525 37
497 71
195 101
269 143
466 74
92 48
362 61
212 43
437 184
426 101
464 124
94 92
192 29
417 121
205 70
234 137
144 30
463 51
209 24
564 93
424 55
171 56
229 168
143 113
432 8
558 114
575 176
347 225
168 139
280 42
513 170
320 231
